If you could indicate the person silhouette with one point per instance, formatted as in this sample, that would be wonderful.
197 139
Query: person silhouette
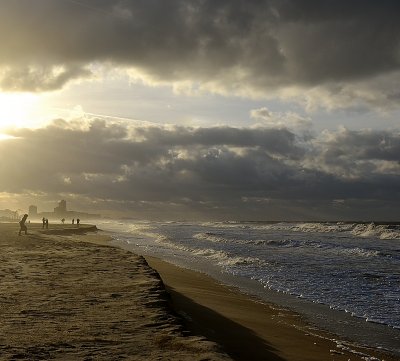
22 225
47 223
63 220
78 221
44 222
73 220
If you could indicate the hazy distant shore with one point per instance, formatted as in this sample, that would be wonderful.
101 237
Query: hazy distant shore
69 295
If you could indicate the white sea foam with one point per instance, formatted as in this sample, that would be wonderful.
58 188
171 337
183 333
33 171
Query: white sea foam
357 252
364 230
225 259
348 252
321 227
346 346
215 238
221 258
355 229
211 237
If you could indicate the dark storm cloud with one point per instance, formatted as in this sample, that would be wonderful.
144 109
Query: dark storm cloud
142 156
239 46
364 145
38 79
367 156
208 168
280 141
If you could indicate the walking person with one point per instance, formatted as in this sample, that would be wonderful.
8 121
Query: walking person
22 225
78 221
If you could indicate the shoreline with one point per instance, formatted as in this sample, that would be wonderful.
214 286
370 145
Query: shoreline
355 329
266 330
347 332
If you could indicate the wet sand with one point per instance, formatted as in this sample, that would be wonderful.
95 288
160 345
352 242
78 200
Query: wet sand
66 294
247 328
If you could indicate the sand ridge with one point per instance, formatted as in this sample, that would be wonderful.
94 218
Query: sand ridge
64 299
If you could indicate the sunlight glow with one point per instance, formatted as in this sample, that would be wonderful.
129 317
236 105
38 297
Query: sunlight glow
5 136
17 110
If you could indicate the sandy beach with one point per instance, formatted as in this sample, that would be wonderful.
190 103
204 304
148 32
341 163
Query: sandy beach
67 294
65 299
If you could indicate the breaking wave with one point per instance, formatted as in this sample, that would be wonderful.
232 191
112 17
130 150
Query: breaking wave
381 231
222 258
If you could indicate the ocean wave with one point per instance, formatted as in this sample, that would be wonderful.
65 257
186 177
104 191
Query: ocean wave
210 237
222 258
344 266
321 227
372 230
327 249
355 229
225 259
356 252
381 231
217 238
271 242
320 247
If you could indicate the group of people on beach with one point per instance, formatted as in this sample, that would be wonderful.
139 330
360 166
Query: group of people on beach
45 223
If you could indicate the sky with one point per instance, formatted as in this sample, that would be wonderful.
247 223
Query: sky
202 109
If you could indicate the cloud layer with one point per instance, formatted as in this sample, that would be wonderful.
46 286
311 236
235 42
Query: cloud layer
182 172
322 53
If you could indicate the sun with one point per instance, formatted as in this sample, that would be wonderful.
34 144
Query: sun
18 110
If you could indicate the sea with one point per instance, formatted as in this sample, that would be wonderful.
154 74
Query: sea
341 277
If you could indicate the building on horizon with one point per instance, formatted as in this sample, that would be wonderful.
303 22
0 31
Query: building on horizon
61 212
61 209
9 215
32 212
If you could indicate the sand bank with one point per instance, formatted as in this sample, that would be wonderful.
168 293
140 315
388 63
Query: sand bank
65 299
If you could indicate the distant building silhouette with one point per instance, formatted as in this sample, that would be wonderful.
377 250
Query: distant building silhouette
60 212
8 215
32 211
61 209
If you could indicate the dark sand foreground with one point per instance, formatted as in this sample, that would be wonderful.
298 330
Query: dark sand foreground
64 299
66 295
